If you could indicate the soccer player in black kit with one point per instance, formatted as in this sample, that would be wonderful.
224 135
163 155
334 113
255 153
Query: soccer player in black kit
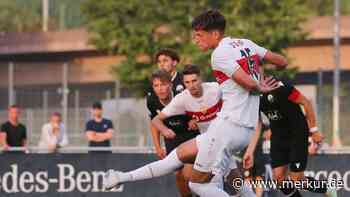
290 131
178 125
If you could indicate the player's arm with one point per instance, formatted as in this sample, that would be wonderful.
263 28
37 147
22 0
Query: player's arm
247 82
3 142
310 115
223 62
157 122
276 59
93 136
175 107
248 158
156 141
106 135
24 140
269 56
2 138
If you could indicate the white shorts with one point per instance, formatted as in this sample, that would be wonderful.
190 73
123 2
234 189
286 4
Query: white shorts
217 146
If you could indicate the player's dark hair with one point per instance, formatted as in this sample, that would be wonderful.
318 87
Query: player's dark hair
190 69
161 75
211 20
167 52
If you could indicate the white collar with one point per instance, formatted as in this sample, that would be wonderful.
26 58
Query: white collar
173 78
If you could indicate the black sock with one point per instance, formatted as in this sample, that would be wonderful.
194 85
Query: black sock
317 186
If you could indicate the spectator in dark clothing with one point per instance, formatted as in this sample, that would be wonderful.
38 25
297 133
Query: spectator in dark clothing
99 131
13 134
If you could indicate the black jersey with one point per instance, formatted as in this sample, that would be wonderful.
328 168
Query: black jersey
178 123
283 113
177 81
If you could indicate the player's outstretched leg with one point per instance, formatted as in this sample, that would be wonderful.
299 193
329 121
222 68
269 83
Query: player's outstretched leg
155 169
185 153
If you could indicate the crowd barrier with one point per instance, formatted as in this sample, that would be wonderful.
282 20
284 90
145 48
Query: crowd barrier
80 174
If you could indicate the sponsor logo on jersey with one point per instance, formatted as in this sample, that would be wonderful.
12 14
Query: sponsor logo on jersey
206 114
270 98
179 88
274 115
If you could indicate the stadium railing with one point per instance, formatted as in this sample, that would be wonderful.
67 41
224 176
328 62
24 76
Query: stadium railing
128 149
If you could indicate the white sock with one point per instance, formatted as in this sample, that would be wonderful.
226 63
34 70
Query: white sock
155 169
207 190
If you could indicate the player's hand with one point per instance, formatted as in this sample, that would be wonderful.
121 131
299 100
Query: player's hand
169 134
161 153
267 134
248 160
317 137
267 84
192 125
6 147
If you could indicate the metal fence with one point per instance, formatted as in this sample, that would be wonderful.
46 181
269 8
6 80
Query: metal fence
130 122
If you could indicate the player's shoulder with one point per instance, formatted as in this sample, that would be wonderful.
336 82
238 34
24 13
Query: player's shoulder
5 124
90 122
105 120
151 97
211 85
285 84
227 48
22 126
223 46
182 95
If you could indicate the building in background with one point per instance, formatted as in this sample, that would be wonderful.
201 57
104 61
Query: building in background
38 60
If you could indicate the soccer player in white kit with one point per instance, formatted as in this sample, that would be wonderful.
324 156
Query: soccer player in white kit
236 66
200 101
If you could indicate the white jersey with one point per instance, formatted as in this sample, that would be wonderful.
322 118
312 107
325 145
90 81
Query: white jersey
203 109
239 105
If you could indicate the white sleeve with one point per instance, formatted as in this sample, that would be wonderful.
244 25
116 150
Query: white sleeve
46 138
223 60
261 51
64 141
175 107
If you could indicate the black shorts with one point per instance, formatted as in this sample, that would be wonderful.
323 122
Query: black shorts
179 139
290 150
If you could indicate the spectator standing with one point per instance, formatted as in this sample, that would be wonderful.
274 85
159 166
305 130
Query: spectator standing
99 130
53 135
13 134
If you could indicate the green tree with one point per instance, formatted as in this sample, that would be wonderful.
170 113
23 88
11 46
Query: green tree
19 16
137 30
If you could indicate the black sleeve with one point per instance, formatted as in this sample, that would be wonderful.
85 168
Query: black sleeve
286 90
24 132
152 111
3 128
88 126
110 124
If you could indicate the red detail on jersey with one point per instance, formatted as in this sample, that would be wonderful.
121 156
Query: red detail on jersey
294 95
208 114
220 76
245 66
